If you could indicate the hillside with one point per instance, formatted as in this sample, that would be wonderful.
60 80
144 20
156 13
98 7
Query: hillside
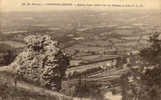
24 90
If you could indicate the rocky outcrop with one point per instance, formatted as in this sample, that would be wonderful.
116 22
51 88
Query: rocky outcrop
42 61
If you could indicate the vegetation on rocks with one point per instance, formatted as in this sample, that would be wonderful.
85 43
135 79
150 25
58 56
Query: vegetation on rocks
42 61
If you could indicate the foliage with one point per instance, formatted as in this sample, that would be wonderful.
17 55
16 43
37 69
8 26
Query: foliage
143 82
8 91
42 61
152 54
7 54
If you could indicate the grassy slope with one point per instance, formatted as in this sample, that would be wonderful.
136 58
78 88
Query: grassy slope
23 90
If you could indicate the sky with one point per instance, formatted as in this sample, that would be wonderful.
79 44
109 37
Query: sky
16 5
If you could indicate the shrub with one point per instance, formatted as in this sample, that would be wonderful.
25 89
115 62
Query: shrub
42 61
7 54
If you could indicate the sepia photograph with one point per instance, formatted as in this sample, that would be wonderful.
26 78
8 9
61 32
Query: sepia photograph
80 50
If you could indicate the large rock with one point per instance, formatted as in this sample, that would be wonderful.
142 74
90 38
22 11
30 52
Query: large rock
42 61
